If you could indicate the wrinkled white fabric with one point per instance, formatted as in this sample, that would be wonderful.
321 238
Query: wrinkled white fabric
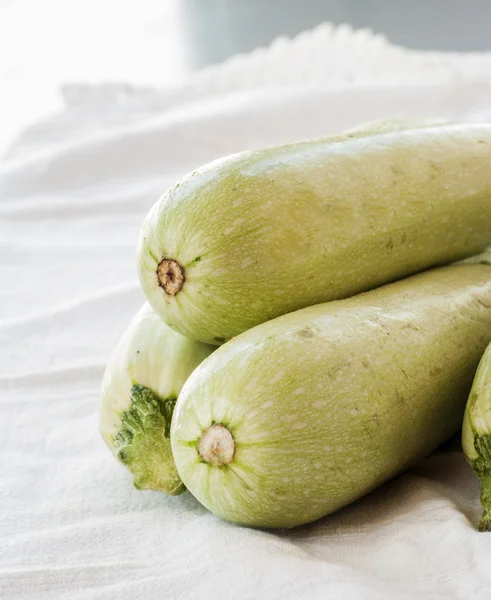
74 190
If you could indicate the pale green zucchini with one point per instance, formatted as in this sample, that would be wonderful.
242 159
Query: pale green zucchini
139 390
304 414
259 234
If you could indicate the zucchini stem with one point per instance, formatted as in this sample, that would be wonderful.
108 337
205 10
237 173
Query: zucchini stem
485 522
482 466
170 275
216 446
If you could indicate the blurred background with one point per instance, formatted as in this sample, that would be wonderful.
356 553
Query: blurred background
161 42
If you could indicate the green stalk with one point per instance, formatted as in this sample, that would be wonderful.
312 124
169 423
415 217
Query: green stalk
144 441
476 434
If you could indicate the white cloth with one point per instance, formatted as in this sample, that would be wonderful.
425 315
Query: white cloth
74 190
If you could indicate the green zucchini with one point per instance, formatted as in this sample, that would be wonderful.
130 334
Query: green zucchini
304 414
139 390
259 234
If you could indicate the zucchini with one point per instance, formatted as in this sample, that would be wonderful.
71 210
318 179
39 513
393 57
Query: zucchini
259 234
139 390
304 414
